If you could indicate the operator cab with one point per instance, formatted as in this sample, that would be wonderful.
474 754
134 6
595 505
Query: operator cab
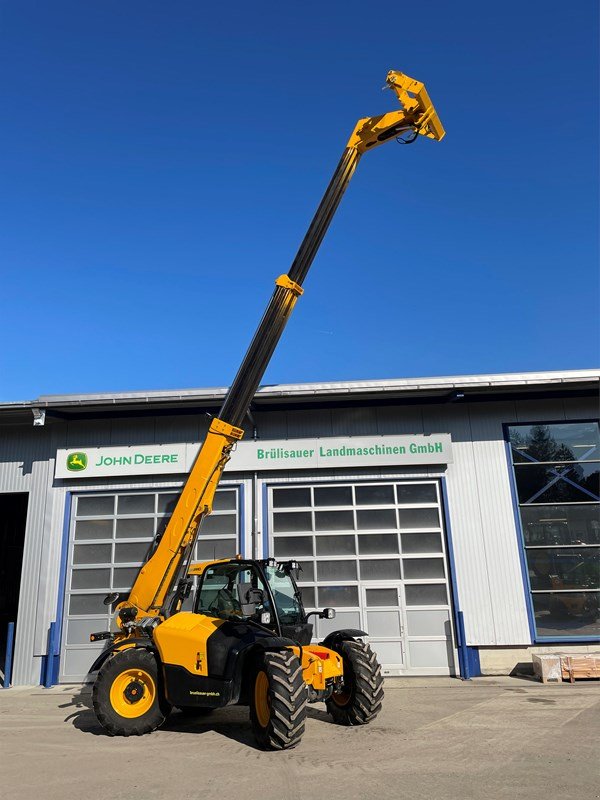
264 593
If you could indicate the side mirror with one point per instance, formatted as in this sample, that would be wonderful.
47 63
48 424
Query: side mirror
328 613
249 598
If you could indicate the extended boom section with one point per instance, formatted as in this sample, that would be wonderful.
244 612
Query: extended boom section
159 575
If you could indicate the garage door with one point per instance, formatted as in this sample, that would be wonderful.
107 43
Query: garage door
375 552
110 537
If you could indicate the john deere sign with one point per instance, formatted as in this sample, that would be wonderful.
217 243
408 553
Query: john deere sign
348 451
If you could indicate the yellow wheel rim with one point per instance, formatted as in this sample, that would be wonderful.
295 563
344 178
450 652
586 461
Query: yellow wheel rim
132 693
262 702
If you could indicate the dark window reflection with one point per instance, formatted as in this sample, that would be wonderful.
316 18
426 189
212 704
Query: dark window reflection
561 525
567 614
564 568
559 483
568 441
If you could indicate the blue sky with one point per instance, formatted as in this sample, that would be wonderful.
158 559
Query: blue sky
160 163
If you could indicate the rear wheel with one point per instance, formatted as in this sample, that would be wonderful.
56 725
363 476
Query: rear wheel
127 697
358 700
278 701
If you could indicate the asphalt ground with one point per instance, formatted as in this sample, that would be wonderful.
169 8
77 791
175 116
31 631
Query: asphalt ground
435 738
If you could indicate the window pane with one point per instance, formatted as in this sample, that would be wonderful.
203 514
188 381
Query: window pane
308 571
336 570
370 544
570 483
142 527
308 598
433 622
225 500
337 596
135 504
377 519
94 529
334 520
567 441
333 495
432 594
166 503
335 545
375 495
78 630
95 506
422 568
90 579
293 546
548 525
419 518
124 577
380 570
416 493
568 614
565 568
87 604
219 525
290 498
292 521
382 597
383 623
421 543
92 553
132 552
210 549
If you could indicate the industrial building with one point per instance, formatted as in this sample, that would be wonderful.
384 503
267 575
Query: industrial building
455 519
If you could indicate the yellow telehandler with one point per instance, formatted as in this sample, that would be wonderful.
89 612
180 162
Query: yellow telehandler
248 638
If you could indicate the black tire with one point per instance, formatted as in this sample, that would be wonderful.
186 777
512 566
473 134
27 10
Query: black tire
129 678
361 695
278 700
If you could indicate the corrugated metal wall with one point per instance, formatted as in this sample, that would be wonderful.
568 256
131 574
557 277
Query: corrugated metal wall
484 540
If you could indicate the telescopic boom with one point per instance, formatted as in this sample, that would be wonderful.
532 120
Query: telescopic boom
156 579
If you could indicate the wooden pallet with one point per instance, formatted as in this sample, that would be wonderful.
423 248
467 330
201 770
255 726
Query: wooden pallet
556 667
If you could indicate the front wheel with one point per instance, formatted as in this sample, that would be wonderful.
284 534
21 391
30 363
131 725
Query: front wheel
278 701
358 700
127 696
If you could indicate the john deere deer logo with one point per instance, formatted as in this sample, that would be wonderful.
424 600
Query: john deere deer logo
76 462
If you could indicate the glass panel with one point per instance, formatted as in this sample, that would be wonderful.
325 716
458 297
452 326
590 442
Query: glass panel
78 630
337 596
375 495
95 505
293 546
432 594
416 493
428 623
335 545
419 518
90 579
421 543
388 652
124 577
290 498
219 525
142 527
225 500
336 570
166 503
382 597
87 604
131 552
92 553
334 520
568 614
422 568
211 549
380 570
343 619
370 544
135 504
567 441
548 525
333 495
429 654
292 521
565 568
308 598
377 519
94 529
308 571
570 483
383 623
